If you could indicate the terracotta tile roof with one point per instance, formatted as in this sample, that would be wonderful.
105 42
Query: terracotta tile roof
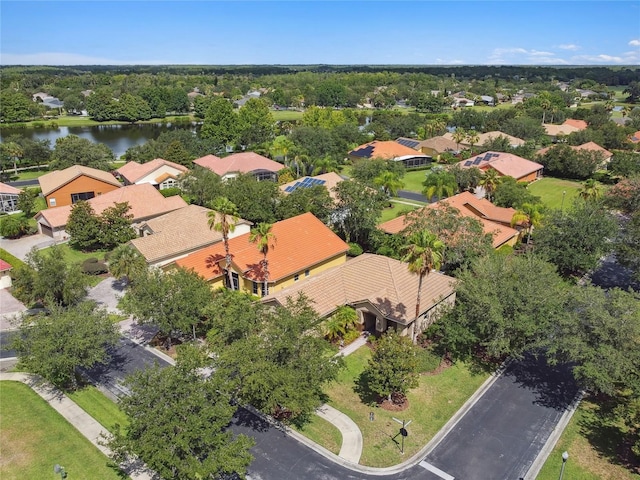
164 176
494 220
300 243
145 202
8 189
555 130
388 150
484 137
52 181
440 144
134 171
635 137
505 163
591 146
381 281
330 180
579 124
4 266
183 230
245 162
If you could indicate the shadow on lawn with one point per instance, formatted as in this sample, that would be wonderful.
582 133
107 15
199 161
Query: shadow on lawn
362 389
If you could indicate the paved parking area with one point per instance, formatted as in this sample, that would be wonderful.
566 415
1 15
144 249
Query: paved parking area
21 246
9 308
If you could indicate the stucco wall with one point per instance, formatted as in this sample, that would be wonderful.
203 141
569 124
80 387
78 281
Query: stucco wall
81 184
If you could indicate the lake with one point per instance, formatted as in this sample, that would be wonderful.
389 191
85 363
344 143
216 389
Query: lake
119 138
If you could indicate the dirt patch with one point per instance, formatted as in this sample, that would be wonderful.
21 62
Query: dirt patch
444 364
397 403
162 344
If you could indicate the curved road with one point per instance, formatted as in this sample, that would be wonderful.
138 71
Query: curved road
498 438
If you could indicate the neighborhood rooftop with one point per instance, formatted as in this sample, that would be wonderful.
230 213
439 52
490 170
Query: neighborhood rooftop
52 181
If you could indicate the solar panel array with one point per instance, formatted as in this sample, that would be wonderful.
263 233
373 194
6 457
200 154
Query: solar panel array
306 182
487 157
407 142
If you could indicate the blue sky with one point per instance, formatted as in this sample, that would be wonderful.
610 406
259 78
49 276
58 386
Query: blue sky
308 32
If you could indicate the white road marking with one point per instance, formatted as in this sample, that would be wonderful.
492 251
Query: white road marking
436 470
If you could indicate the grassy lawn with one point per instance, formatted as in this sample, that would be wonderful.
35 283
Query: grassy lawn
550 190
286 115
76 256
585 461
35 438
29 174
413 180
431 405
99 406
394 211
323 433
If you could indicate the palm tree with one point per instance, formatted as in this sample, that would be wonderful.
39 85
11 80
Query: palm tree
440 184
472 137
458 136
342 321
590 190
13 151
389 182
545 103
530 215
423 253
125 262
325 165
264 238
490 181
224 219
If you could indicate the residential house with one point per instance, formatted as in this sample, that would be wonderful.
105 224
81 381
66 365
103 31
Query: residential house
5 277
495 220
158 172
381 290
488 137
390 150
145 201
176 234
589 146
556 132
579 124
66 187
488 100
252 163
434 146
8 198
302 247
506 164
635 138
327 180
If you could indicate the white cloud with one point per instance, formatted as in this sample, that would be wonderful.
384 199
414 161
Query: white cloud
440 61
601 58
569 46
635 42
519 55
60 58
535 53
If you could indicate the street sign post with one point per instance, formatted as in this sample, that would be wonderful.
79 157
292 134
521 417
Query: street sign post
403 432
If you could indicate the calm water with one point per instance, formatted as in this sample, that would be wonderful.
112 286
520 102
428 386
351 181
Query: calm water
118 138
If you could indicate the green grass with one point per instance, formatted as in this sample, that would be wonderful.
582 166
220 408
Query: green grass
15 262
35 438
323 433
286 115
394 211
76 256
585 461
413 180
29 174
550 190
431 405
100 407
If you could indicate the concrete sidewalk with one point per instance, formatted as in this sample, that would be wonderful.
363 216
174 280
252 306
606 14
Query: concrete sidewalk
351 448
76 416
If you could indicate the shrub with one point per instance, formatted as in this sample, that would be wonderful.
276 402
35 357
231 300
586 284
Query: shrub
170 192
351 336
354 250
92 266
428 361
14 226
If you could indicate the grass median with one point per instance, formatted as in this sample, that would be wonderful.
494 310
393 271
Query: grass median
431 405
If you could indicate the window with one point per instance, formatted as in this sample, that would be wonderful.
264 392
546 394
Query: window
306 272
52 202
259 287
234 278
76 197
296 277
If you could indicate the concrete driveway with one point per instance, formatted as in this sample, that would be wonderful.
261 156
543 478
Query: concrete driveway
107 294
10 307
21 246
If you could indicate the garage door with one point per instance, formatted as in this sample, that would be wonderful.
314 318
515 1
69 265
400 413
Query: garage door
46 230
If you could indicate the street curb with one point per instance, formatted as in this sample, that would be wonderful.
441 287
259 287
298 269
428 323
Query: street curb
550 444
416 458
155 351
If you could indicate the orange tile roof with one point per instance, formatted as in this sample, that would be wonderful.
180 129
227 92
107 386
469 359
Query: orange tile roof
579 124
505 163
635 137
245 162
8 189
145 202
380 281
555 130
388 150
300 243
592 146
134 171
52 181
494 220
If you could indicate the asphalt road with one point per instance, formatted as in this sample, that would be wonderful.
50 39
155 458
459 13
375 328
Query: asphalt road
499 438
5 340
24 183
412 196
